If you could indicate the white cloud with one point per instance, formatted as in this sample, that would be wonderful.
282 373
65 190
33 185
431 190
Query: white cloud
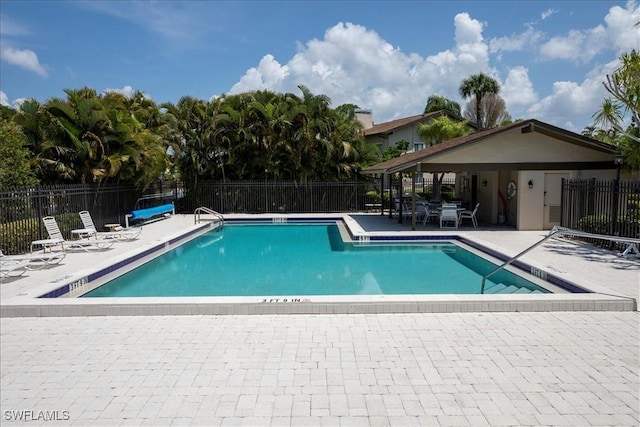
127 91
4 100
623 34
569 100
548 13
580 46
515 42
18 102
353 64
517 89
618 34
23 58
269 74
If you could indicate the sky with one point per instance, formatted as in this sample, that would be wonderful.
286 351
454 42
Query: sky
549 57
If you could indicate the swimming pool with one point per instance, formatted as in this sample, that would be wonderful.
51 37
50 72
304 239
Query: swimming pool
309 259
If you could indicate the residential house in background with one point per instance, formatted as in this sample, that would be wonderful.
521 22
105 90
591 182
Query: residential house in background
387 134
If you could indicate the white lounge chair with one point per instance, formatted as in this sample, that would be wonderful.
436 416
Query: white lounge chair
471 215
82 243
119 234
35 261
11 268
449 214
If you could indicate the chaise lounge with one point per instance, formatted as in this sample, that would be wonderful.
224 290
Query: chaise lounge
119 234
11 268
55 235
34 261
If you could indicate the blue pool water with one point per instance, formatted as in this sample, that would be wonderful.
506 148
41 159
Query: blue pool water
296 260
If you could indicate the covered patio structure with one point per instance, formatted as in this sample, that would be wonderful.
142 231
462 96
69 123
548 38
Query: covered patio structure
515 172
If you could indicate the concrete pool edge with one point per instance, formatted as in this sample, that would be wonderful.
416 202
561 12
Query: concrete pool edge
32 306
70 307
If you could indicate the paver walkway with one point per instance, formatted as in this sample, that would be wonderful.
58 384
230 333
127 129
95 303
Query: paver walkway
577 368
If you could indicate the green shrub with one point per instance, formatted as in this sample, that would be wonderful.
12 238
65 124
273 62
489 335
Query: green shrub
595 224
601 224
16 236
373 196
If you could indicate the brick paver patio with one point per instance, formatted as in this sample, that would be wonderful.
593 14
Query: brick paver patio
449 369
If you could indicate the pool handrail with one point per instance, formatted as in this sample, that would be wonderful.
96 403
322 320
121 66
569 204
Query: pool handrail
201 209
632 246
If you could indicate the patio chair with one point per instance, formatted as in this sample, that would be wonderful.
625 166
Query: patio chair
471 215
82 243
430 213
119 234
35 261
406 210
449 214
11 268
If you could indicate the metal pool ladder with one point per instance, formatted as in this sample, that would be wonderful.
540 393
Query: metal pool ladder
204 209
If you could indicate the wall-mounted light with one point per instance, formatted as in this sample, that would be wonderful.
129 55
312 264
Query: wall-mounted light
530 183
618 160
484 182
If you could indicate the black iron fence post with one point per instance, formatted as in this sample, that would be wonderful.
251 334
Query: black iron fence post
616 196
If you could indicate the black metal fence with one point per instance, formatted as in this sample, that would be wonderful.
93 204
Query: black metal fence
602 207
22 210
272 197
587 205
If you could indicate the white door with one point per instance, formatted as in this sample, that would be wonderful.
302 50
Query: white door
552 196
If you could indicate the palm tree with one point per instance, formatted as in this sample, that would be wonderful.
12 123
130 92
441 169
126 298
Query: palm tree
438 103
78 145
193 128
479 85
35 124
624 86
439 130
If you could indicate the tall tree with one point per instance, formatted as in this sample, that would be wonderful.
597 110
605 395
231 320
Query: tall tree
479 85
78 145
493 109
439 130
437 103
14 156
624 87
193 124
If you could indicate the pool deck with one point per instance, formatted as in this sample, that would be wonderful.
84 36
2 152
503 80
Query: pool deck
475 368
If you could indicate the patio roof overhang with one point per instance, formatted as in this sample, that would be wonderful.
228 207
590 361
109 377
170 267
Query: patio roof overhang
524 145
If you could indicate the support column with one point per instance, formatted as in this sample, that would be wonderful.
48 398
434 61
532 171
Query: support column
390 195
400 198
413 201
382 194
414 215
